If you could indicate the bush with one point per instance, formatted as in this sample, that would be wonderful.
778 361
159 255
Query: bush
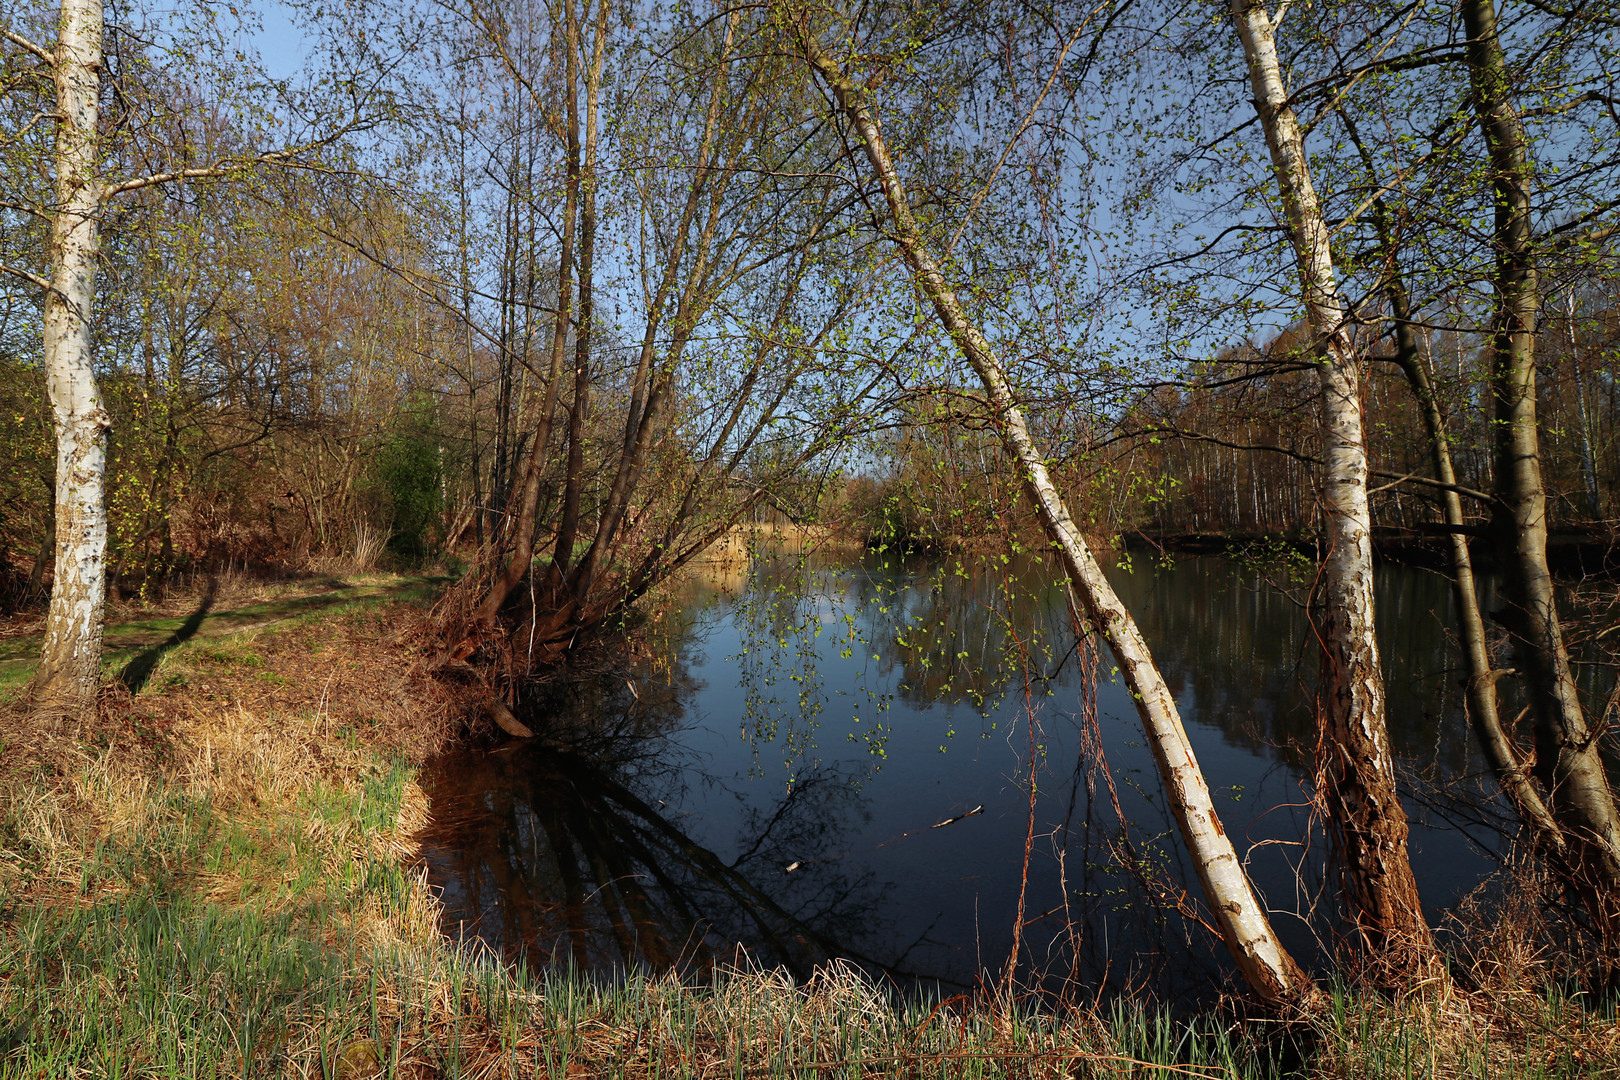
409 474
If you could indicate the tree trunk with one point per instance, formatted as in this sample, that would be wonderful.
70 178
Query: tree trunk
1355 769
1479 685
1568 762
1583 422
651 384
520 560
70 659
579 408
1479 688
1265 965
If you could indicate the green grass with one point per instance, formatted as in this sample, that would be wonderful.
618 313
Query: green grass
128 639
201 942
210 934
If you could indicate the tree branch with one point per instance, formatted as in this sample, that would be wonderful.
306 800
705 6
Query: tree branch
42 55
1412 478
284 158
26 275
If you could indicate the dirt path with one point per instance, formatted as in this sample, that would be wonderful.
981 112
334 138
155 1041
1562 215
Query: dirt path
129 642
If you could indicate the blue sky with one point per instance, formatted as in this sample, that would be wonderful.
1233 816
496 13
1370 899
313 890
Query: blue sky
280 41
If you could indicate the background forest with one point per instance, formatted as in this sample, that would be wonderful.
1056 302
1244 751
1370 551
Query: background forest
342 340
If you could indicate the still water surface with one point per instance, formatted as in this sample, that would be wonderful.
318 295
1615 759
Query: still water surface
776 776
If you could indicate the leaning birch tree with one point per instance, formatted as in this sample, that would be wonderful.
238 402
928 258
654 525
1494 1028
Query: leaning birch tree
1265 965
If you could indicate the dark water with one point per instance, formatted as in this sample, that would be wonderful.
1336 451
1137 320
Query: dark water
771 779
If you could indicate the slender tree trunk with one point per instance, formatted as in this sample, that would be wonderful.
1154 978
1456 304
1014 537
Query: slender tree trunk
1479 685
1479 688
465 248
1356 771
1266 966
649 388
70 659
579 408
522 552
42 558
1568 761
1583 422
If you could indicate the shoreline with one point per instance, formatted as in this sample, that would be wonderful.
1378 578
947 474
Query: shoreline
1568 554
220 875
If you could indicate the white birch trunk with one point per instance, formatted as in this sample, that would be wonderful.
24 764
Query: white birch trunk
1265 965
1355 770
70 660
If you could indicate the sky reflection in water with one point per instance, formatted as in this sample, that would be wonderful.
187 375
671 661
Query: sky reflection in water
826 714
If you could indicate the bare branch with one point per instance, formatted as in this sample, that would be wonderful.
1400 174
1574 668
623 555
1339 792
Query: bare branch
27 275
1029 118
1440 485
25 208
1565 106
42 55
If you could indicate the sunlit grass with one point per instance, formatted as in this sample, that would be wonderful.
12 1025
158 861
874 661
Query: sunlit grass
245 605
207 928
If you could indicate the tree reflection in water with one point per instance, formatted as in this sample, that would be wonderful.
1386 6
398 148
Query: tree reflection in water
570 849
826 713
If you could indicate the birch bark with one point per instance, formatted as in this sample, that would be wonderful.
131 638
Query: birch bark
1266 966
70 659
1355 770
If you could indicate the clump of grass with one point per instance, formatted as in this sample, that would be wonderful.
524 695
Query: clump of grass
1532 1034
234 654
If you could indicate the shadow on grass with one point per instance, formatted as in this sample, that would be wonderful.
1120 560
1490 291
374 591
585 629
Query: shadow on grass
139 670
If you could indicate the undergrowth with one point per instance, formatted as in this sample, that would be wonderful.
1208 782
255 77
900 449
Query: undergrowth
217 878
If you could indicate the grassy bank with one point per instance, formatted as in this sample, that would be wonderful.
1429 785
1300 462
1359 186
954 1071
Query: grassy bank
217 877
137 637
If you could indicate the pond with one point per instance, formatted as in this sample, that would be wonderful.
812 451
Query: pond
836 756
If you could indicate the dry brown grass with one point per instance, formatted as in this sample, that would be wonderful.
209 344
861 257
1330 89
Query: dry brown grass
249 721
742 542
278 738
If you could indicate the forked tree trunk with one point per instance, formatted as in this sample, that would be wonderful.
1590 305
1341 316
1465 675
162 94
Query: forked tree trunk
1355 769
1568 760
70 659
521 559
1268 969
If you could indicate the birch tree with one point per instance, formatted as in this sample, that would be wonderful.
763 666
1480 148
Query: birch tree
1355 769
1476 196
84 180
70 659
1266 966
1568 759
